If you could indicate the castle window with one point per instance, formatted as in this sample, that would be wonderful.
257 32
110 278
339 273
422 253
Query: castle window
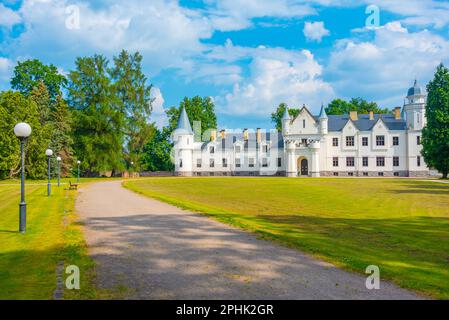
264 162
335 142
180 163
350 162
304 142
237 149
198 163
418 140
211 163
335 174
418 161
304 124
365 161
351 174
237 163
224 162
350 141
251 162
265 148
279 162
380 161
365 141
395 161
380 140
335 161
395 141
396 174
212 149
380 174
365 174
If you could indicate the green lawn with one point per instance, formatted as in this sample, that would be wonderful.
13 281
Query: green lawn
28 261
401 225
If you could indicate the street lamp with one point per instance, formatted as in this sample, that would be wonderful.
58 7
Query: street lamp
22 131
49 153
79 162
132 169
59 170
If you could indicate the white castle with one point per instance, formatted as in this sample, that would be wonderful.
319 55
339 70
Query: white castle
313 146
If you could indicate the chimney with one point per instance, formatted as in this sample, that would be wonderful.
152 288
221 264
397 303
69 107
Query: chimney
259 135
223 134
353 115
245 134
371 115
397 113
213 135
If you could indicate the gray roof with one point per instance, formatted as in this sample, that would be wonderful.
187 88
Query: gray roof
415 90
231 138
184 126
337 122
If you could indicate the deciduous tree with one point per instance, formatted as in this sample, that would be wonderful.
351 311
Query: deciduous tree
436 133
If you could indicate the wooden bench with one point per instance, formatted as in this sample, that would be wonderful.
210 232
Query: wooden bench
73 186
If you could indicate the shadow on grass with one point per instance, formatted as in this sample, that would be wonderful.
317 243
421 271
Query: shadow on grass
423 188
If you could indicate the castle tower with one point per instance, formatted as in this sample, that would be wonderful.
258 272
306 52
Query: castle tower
415 107
286 122
183 138
323 121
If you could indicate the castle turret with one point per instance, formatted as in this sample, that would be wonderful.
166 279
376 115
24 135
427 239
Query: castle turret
286 120
323 120
415 108
183 138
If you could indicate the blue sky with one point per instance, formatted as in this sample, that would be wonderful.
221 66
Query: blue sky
249 56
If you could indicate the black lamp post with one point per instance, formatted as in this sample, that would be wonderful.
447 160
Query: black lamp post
78 180
59 170
49 153
22 131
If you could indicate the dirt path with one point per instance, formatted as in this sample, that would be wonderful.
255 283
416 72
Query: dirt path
162 252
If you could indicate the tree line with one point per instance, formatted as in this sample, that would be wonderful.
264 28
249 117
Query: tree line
99 113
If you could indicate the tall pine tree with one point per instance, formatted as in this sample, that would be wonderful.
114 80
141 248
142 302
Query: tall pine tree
130 86
436 133
99 120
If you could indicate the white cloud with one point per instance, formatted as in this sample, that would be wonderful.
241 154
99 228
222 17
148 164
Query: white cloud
276 75
227 15
315 31
6 66
165 33
8 17
158 114
384 68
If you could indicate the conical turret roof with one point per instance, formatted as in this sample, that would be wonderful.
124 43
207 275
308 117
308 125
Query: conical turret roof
184 126
323 114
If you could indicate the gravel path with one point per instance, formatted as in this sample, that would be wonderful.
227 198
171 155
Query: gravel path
162 252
